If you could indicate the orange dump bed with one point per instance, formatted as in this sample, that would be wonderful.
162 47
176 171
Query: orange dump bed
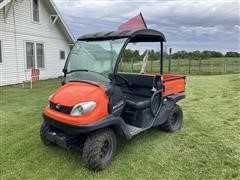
172 83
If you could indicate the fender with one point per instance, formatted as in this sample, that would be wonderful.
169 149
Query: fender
167 105
177 97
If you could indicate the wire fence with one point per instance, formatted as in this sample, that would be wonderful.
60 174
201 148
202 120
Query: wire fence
186 66
208 66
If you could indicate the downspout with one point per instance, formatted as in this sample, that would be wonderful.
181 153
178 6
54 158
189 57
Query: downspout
15 40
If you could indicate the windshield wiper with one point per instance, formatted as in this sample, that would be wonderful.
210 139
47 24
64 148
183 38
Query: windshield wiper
85 81
82 70
77 70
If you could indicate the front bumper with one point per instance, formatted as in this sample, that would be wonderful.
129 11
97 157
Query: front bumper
71 129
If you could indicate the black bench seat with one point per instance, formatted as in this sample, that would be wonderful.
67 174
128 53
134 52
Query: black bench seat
137 102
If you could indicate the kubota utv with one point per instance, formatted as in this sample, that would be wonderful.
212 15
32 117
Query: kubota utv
96 102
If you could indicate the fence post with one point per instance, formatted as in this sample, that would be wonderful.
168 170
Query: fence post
189 66
170 61
225 66
200 66
178 64
131 64
151 65
169 64
211 67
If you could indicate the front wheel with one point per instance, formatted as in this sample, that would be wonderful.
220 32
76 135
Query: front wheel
99 149
174 120
45 128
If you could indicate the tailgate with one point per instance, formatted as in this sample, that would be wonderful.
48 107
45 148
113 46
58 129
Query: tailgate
174 85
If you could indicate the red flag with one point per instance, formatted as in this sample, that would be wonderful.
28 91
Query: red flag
136 22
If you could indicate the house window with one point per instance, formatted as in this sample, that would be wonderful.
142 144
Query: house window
0 51
35 9
34 55
30 53
40 55
62 55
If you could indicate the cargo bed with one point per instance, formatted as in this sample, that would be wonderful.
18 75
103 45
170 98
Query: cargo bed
172 83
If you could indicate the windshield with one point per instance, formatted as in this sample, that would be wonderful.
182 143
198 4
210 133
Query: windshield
93 60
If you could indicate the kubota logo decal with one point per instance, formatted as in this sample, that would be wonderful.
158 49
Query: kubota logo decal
58 106
168 88
119 104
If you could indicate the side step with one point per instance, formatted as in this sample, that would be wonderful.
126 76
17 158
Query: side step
133 130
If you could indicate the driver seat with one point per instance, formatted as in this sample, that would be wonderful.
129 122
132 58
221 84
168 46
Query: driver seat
137 102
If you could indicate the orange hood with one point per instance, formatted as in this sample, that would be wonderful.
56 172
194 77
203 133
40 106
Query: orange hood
73 93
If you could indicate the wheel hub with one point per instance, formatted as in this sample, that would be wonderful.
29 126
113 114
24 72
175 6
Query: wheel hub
175 119
106 150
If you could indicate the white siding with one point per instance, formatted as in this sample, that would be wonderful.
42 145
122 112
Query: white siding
13 68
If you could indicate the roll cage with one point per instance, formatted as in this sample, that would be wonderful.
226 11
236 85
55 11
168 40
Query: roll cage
133 36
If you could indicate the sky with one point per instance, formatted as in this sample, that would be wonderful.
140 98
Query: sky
187 25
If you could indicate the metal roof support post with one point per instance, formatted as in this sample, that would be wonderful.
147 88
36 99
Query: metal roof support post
161 58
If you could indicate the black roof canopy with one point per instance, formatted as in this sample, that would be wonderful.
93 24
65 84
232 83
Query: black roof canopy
140 35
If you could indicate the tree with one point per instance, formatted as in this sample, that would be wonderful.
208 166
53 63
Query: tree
232 54
197 55
136 55
151 55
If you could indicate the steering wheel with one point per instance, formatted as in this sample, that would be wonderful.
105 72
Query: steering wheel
122 78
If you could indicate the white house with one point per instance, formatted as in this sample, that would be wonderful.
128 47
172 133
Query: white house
32 35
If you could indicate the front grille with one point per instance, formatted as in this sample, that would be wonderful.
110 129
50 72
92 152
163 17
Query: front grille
60 108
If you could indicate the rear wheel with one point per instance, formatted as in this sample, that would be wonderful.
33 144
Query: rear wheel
99 149
45 128
174 121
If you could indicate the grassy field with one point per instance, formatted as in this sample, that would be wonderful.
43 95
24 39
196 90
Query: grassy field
210 66
207 147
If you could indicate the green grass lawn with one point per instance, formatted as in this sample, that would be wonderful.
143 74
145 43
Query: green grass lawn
207 147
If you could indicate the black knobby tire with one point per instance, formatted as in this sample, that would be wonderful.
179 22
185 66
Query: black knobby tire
45 128
99 149
174 120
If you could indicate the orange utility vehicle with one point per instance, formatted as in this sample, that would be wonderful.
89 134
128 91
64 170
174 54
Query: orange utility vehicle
97 102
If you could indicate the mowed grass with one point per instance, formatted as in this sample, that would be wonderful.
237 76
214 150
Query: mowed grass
207 146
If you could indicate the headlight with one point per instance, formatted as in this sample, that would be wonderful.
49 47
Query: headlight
49 98
83 108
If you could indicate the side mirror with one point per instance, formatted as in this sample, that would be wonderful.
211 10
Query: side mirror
64 71
109 91
63 82
111 76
